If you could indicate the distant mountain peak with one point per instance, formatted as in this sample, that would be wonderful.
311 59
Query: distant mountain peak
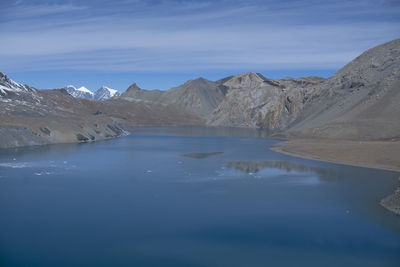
199 80
105 87
81 92
104 93
84 89
247 80
134 87
253 75
197 83
5 79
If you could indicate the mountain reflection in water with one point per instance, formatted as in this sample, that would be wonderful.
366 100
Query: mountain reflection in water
256 166
201 155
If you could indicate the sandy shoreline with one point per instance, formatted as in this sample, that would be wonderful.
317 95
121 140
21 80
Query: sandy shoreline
371 154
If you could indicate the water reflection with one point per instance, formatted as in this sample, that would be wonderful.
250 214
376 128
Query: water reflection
251 167
362 182
200 155
203 131
256 166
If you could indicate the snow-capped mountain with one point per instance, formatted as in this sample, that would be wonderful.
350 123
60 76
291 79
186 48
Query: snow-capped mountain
36 117
81 92
105 93
10 88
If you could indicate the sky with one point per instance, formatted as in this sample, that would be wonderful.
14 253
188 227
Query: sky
160 44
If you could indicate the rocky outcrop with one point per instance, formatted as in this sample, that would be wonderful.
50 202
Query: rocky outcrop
255 101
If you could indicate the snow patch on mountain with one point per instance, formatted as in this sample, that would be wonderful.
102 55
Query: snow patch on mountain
8 86
105 93
84 89
81 92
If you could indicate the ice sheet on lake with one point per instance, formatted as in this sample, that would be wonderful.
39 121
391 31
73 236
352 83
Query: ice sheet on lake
15 165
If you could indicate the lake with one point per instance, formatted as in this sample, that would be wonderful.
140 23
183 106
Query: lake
190 196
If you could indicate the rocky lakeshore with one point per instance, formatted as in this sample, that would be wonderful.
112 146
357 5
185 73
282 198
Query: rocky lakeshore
370 154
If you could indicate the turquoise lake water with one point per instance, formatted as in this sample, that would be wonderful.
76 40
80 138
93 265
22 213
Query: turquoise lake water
190 196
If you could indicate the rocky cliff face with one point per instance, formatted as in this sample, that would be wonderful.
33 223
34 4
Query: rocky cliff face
255 101
360 101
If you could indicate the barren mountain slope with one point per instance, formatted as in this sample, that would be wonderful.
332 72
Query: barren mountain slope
360 101
198 96
135 94
133 113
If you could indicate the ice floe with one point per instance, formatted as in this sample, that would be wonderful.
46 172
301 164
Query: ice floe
15 165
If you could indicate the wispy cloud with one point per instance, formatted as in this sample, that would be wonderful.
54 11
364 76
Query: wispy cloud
35 10
198 35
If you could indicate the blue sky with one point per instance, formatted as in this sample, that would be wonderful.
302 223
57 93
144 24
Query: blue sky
161 44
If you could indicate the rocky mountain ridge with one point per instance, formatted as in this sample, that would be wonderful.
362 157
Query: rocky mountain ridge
199 96
244 100
359 102
35 117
